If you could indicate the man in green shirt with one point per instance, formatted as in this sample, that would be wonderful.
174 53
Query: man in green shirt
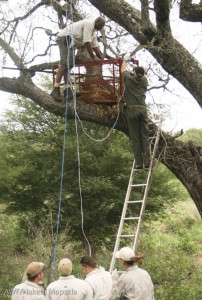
135 94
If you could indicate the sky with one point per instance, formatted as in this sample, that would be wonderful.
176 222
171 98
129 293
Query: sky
183 111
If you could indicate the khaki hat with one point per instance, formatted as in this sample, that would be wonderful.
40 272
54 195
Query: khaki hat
65 267
34 268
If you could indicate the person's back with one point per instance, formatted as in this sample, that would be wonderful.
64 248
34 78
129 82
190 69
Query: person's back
100 282
28 291
135 89
68 287
137 284
82 32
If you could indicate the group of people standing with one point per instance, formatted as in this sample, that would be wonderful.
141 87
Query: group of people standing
134 284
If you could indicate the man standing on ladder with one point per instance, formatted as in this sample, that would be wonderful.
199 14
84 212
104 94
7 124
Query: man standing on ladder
135 94
78 34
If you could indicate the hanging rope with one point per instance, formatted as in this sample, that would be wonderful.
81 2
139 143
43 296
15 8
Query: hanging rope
79 175
108 134
78 160
63 157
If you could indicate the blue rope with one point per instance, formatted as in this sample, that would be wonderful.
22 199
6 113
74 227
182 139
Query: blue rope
62 166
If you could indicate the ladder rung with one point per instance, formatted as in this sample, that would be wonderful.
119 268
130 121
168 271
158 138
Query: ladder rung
132 218
135 201
153 140
127 235
141 184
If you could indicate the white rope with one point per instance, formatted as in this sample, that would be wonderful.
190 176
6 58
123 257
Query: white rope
108 134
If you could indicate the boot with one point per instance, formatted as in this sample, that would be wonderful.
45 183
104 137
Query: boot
147 164
138 160
138 166
56 94
138 163
146 158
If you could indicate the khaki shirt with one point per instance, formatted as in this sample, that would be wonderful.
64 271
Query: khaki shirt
134 284
81 32
100 282
68 287
28 291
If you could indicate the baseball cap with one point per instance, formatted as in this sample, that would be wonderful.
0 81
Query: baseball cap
65 267
125 253
139 71
35 268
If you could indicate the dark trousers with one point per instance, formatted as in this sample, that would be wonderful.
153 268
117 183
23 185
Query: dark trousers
139 133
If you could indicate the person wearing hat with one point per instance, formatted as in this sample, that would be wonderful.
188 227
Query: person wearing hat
77 34
135 93
68 287
30 288
40 283
135 283
98 279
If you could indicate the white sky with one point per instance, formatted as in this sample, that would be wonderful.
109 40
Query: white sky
183 109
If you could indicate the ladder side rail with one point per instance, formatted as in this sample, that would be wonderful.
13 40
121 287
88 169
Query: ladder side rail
130 185
122 218
146 189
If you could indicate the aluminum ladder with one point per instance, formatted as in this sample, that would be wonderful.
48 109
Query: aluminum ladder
141 203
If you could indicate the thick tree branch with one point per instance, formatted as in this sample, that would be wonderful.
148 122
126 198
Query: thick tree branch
162 10
183 159
190 12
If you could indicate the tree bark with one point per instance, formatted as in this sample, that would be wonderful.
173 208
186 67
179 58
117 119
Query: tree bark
190 12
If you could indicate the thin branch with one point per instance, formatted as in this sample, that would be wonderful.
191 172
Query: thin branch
9 50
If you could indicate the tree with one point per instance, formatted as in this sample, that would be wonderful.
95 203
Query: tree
190 12
183 159
30 147
30 164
